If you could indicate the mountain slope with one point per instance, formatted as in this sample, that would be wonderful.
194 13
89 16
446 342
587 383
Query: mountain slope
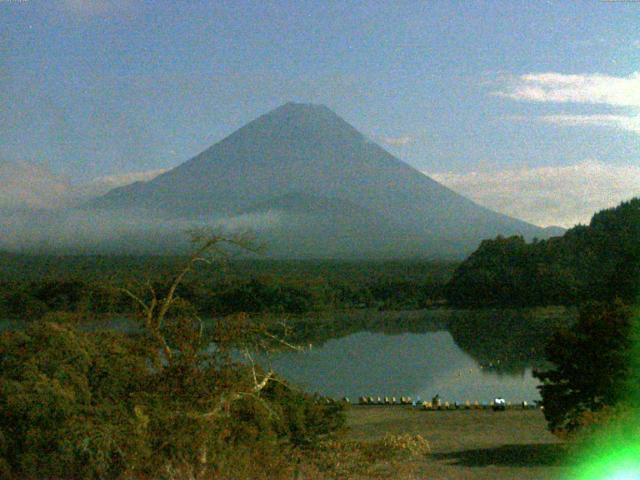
308 153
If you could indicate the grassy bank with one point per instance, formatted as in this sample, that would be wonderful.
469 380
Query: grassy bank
465 444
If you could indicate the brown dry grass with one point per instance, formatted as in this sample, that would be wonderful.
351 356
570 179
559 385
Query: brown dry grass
467 444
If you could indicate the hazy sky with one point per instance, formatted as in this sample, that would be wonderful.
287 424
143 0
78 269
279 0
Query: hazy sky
523 93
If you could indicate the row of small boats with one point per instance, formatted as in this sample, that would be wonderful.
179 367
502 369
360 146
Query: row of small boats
437 404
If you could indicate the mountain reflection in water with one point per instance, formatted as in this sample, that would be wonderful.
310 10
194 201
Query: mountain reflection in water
462 355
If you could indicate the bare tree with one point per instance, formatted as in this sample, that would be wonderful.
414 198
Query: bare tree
209 246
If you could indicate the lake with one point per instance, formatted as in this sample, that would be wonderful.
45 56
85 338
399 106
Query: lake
461 355
408 364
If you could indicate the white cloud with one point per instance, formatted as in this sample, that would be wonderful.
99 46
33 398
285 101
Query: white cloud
562 88
630 123
596 89
32 186
396 141
564 195
28 185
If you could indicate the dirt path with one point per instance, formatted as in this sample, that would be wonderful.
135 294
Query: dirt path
468 444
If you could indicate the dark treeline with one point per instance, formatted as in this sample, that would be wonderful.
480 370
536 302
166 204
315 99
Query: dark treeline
33 286
598 262
20 266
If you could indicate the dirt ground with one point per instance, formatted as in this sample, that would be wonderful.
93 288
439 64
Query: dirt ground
475 444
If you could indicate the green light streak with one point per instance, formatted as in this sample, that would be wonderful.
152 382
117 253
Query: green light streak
613 452
620 461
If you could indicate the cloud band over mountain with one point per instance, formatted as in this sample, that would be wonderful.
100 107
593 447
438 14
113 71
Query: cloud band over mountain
552 195
563 195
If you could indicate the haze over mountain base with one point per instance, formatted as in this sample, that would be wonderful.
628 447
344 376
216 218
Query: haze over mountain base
304 180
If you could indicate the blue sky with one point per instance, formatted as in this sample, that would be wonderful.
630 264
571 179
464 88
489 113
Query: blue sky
494 89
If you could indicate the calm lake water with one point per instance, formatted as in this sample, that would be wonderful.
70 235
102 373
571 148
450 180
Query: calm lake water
407 364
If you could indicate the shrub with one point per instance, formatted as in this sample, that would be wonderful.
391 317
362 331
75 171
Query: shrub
591 366
93 405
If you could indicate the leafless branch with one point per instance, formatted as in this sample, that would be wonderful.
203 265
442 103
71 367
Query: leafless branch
283 342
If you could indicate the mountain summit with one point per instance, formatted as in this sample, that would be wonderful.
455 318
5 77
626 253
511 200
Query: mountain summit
312 185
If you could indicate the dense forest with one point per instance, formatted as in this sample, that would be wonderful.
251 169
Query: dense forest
597 262
92 286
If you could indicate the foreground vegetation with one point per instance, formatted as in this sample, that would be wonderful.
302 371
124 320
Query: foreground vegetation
163 403
102 405
106 405
593 368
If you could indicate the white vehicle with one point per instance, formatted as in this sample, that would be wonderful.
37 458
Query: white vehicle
499 404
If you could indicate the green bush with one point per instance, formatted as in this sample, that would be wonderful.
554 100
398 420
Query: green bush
96 406
591 366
